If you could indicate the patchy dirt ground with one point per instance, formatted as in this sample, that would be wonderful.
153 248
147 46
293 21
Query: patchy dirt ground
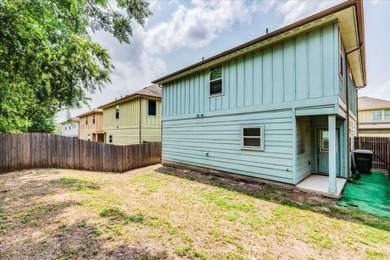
164 213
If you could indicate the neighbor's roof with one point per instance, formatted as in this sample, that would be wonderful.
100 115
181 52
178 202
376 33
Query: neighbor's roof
374 126
91 112
349 14
75 119
151 91
369 103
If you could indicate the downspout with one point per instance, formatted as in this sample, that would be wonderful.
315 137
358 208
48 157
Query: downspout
140 121
347 100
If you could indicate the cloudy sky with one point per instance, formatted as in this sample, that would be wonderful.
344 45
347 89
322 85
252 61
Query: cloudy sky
180 33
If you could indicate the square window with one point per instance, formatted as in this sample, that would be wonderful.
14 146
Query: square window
216 80
377 115
117 112
152 107
253 137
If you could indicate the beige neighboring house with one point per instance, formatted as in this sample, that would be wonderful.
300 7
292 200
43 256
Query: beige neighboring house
134 119
91 126
374 117
70 127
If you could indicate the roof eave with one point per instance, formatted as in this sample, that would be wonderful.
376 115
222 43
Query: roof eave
357 3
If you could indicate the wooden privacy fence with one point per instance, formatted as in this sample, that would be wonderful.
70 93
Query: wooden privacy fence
381 148
36 150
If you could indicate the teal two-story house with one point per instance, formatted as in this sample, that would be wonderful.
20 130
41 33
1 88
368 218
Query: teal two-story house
280 107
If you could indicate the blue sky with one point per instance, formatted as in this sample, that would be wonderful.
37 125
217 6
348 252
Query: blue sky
180 33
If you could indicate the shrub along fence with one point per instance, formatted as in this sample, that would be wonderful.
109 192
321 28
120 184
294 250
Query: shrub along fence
381 148
38 150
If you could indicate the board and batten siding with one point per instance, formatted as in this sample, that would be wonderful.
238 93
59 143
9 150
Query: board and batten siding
215 143
126 130
151 125
275 74
259 88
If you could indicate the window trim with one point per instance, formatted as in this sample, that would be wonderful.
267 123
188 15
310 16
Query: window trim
261 147
222 83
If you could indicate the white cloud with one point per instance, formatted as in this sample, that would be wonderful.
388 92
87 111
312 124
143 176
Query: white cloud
197 25
294 10
381 91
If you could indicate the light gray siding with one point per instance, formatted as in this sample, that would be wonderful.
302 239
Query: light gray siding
215 142
303 148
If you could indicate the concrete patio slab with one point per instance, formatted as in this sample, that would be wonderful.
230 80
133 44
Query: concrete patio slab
320 184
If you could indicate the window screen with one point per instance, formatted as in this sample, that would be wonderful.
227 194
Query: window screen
253 137
117 112
152 108
216 80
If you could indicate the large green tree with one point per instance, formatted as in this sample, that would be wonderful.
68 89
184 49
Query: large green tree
48 61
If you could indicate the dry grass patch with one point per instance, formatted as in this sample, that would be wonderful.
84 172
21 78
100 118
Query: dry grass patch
164 213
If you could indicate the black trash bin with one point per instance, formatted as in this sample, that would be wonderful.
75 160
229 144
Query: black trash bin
363 160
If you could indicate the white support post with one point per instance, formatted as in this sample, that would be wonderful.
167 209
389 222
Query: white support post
332 154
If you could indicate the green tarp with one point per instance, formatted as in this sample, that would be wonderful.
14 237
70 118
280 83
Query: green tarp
371 193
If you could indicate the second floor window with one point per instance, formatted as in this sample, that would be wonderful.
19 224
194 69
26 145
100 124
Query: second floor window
387 115
341 66
377 115
152 107
117 112
216 80
110 138
93 119
86 120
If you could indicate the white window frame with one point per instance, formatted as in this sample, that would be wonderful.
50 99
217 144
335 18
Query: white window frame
261 147
222 88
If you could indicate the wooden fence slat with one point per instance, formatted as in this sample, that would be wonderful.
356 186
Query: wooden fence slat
381 148
37 150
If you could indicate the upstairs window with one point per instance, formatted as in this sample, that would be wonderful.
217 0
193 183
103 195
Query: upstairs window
93 119
387 115
86 120
117 112
89 137
110 138
152 107
216 81
341 66
377 115
253 137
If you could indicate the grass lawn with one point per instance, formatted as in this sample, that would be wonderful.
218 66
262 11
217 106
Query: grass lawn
165 213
